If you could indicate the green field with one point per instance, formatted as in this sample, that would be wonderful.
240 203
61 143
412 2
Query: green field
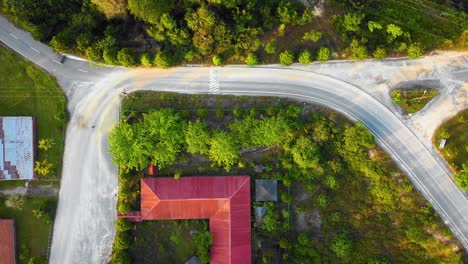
413 100
32 235
26 90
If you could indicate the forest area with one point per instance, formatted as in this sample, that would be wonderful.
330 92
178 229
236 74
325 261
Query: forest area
368 211
166 33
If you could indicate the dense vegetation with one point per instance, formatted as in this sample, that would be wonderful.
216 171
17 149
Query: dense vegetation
32 217
327 167
455 151
169 32
25 90
413 100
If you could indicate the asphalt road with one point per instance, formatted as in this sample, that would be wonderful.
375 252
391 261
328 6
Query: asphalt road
84 230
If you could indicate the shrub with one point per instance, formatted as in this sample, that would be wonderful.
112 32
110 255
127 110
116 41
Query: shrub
203 240
286 58
251 59
202 112
305 57
217 60
147 59
177 174
219 112
122 241
124 208
122 225
127 57
38 260
163 59
341 245
93 53
380 53
271 46
415 50
237 112
323 54
110 56
15 202
121 257
313 36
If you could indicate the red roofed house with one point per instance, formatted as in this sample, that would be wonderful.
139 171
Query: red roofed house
7 241
225 201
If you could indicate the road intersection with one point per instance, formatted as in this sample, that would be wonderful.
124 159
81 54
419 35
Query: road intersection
84 230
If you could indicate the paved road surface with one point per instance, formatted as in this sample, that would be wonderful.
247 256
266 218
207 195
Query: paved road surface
83 230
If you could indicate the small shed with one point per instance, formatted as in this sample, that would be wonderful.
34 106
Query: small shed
260 213
266 190
7 241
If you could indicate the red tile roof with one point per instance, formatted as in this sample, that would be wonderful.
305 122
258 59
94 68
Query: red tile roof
7 241
225 201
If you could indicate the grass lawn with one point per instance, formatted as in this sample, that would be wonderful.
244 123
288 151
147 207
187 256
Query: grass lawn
25 90
165 241
32 235
413 100
455 150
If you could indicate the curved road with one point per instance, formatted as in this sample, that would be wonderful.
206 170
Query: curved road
83 230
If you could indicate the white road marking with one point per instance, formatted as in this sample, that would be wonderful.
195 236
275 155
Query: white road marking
82 70
56 62
35 50
214 80
13 36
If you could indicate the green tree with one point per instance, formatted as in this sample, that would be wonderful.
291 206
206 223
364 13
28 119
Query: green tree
341 245
43 167
197 137
394 31
305 57
165 130
110 56
358 137
358 51
251 59
286 58
148 10
202 112
224 150
351 21
217 60
272 132
271 46
147 59
242 129
129 146
83 41
415 50
15 201
127 57
372 25
163 59
305 153
323 54
287 13
124 208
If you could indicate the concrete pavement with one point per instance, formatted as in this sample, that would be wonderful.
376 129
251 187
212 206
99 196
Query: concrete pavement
84 230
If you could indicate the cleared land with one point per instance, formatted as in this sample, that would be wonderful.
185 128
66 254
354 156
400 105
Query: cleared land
413 100
25 90
353 205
